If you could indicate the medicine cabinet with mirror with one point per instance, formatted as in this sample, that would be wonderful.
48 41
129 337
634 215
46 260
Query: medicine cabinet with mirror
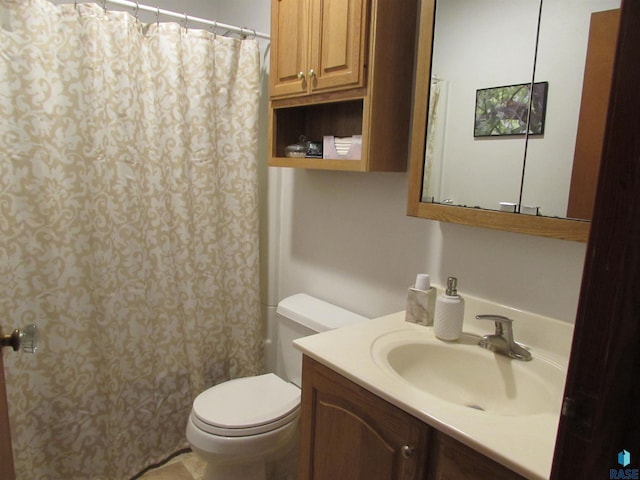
483 152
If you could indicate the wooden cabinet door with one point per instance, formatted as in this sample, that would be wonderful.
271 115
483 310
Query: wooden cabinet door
348 433
317 45
338 44
451 460
598 76
289 47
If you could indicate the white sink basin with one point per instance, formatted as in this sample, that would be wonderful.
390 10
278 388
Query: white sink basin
466 375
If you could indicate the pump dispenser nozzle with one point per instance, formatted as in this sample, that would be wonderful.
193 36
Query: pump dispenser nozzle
452 286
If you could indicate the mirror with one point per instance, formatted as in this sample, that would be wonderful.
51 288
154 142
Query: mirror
482 151
470 54
558 177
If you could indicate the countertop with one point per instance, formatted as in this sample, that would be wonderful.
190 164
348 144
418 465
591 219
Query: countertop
524 443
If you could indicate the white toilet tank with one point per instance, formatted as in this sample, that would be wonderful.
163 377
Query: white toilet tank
299 316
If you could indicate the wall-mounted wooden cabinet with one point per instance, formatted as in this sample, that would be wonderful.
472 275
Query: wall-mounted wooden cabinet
349 433
342 68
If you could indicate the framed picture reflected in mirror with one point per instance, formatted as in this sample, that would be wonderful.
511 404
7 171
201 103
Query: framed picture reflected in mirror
505 110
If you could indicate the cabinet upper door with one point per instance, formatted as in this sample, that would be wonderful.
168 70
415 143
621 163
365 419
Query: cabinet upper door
338 44
289 47
317 45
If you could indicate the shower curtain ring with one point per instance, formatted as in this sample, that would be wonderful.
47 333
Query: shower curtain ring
136 11
104 5
158 16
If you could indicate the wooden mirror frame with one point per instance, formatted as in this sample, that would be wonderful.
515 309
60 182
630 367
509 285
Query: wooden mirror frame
561 228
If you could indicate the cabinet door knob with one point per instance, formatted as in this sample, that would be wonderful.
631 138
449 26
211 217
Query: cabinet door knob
312 73
407 451
300 75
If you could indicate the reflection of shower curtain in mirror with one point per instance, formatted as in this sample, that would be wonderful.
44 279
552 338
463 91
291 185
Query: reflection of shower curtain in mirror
129 227
433 165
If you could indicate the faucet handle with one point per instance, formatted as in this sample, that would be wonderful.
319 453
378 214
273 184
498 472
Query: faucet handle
500 321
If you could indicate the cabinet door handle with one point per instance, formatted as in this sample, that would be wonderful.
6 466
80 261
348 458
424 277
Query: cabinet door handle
300 75
312 73
407 451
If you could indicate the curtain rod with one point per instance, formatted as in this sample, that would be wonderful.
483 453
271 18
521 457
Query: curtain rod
187 18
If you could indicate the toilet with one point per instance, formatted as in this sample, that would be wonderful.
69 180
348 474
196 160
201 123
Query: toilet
247 428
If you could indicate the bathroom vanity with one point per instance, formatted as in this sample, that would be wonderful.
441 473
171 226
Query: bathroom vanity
386 399
351 433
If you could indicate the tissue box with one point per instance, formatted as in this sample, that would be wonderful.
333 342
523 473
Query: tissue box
342 148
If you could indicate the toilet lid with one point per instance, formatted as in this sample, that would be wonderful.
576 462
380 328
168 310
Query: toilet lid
246 406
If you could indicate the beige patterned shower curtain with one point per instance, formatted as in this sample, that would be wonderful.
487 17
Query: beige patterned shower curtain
128 230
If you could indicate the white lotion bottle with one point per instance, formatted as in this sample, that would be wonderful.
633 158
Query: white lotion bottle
421 301
447 323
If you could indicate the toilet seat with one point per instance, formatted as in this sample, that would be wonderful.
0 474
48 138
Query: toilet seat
246 406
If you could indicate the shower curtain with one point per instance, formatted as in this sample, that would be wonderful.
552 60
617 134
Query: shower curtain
436 123
128 230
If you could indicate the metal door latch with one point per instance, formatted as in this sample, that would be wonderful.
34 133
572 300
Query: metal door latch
25 339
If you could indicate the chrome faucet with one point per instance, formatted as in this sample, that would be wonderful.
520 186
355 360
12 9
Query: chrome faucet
502 341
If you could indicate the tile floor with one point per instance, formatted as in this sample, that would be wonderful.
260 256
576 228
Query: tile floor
189 467
183 467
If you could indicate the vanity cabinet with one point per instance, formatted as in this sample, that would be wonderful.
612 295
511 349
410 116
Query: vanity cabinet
317 45
348 433
342 68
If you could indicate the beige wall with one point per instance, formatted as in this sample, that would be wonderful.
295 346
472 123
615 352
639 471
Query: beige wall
345 238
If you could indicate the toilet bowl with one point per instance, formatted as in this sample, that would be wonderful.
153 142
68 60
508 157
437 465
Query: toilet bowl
247 428
241 425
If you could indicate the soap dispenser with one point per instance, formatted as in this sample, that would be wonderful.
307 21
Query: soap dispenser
447 324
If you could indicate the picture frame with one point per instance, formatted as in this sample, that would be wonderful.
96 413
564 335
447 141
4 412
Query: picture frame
504 110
